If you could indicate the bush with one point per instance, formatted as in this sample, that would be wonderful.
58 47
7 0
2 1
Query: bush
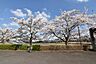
23 47
5 47
54 47
18 47
86 47
36 48
44 47
10 47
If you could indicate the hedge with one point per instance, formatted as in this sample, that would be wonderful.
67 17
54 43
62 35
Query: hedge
18 47
61 47
38 47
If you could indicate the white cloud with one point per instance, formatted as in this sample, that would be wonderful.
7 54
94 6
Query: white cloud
46 15
29 12
18 13
5 25
45 9
41 14
82 0
13 24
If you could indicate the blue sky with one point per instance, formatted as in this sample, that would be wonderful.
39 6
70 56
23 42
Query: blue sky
53 6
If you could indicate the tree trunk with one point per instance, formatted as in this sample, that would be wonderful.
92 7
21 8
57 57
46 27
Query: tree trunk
30 48
79 36
66 42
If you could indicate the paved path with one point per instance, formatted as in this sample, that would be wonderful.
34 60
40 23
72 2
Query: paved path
23 57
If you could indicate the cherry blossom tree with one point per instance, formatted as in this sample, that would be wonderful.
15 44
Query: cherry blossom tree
88 21
5 35
32 25
64 25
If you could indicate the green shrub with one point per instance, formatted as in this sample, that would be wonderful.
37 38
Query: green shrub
18 47
23 47
10 47
6 47
36 47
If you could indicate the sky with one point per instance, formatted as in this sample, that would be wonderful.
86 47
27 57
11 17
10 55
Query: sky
52 7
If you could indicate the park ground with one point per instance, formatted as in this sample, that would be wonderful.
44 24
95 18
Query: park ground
47 57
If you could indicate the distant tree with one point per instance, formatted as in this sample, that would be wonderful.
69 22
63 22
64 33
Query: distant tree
88 21
5 35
